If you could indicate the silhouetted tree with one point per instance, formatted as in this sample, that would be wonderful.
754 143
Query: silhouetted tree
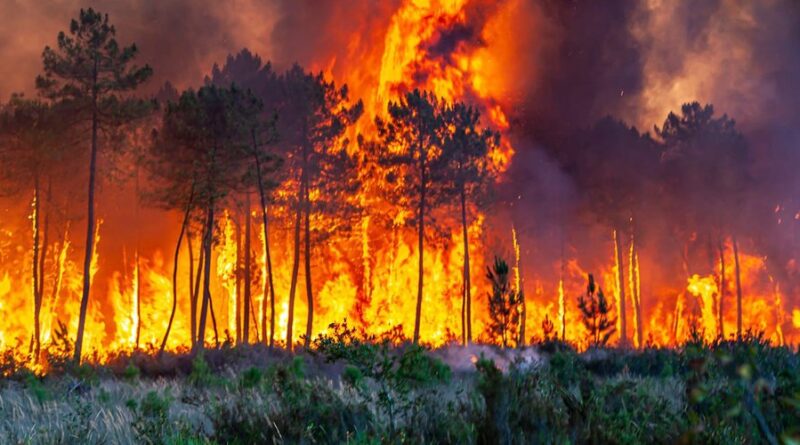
504 304
618 168
33 148
410 140
705 160
197 161
248 71
314 114
88 72
467 175
596 314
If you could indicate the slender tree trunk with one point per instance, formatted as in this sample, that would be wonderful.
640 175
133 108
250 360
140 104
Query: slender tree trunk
192 291
206 261
520 292
136 265
634 281
90 223
238 277
184 225
738 288
295 264
420 247
562 303
467 302
137 296
269 288
621 278
722 286
198 279
307 257
42 257
247 303
35 270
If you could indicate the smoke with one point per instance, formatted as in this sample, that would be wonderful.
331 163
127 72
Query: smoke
462 359
181 39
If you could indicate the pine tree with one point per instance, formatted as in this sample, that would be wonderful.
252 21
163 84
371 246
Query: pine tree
596 314
467 175
409 143
33 150
504 304
88 73
197 161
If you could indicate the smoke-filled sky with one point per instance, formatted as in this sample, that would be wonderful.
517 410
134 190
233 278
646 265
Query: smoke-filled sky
575 59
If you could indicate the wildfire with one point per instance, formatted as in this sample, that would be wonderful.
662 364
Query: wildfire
446 47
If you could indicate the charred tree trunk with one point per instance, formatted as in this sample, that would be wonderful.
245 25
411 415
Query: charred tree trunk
176 256
421 237
35 270
722 286
634 281
467 303
206 263
192 291
137 295
137 269
295 264
90 223
269 288
238 277
42 256
247 303
738 288
621 278
307 256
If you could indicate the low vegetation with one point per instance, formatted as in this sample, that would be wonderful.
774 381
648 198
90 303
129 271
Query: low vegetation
352 388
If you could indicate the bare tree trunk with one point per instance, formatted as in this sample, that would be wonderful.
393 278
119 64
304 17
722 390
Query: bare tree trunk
137 295
247 304
295 265
269 288
237 276
634 281
206 262
307 257
521 294
621 278
42 257
467 304
722 286
420 247
192 301
136 265
35 270
738 288
184 225
562 298
90 222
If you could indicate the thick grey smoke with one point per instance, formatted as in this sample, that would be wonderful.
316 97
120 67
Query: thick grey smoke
181 39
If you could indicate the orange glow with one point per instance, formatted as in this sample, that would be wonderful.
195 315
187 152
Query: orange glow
370 277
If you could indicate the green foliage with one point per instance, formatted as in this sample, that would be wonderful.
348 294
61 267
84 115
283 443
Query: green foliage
40 392
151 417
131 372
743 391
505 305
596 314
251 378
201 374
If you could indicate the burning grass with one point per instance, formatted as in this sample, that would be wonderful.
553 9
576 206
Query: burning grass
359 389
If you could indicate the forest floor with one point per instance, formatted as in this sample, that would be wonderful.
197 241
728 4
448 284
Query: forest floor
350 390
